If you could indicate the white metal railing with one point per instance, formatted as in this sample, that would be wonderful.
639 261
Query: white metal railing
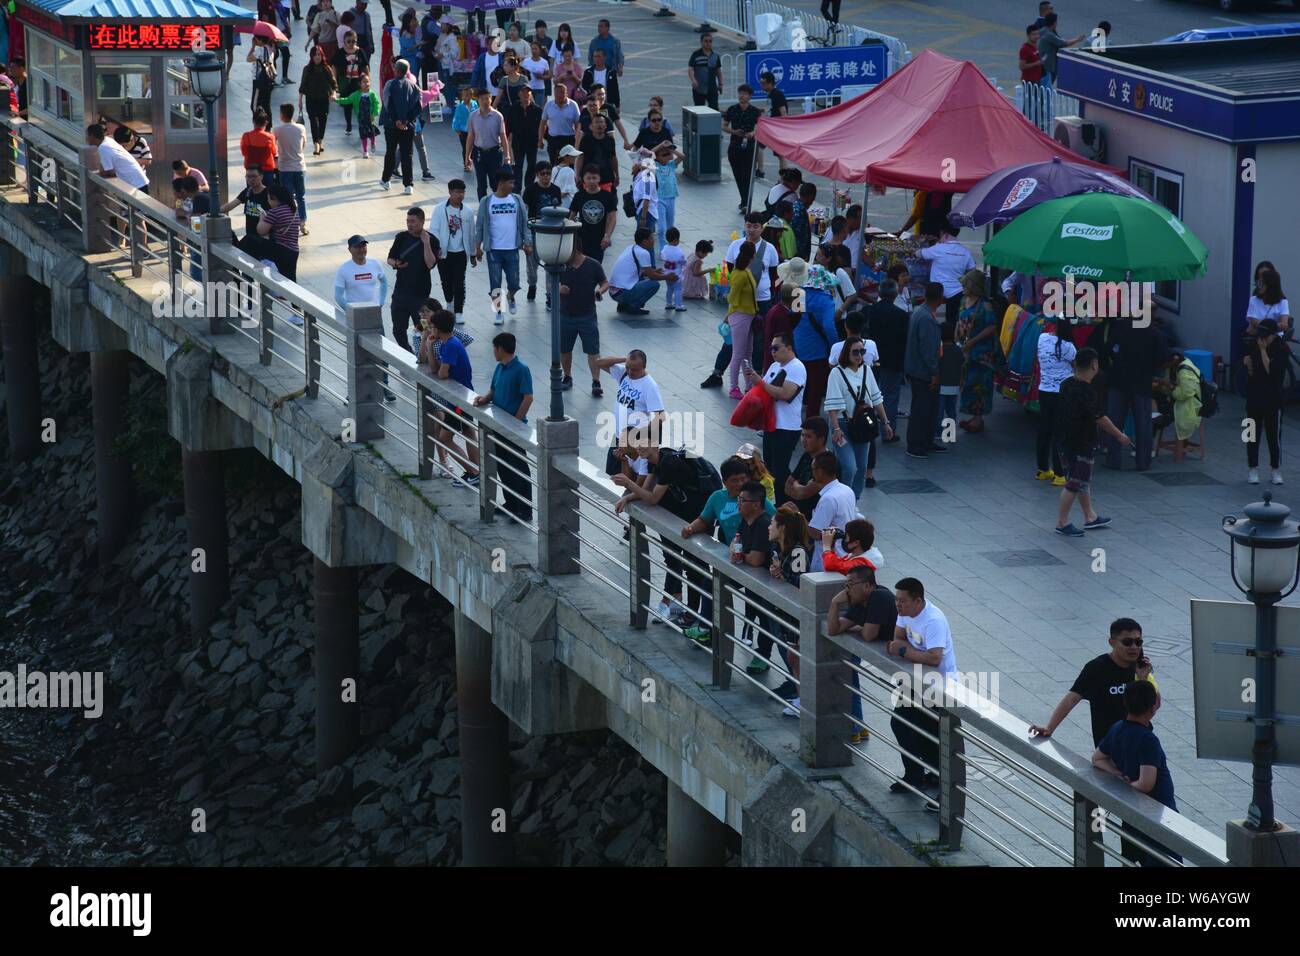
537 479
1041 104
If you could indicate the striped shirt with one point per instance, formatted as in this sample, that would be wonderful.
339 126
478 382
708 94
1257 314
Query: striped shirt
284 226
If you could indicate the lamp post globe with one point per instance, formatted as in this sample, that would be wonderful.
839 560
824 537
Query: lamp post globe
553 238
1265 563
1265 549
207 77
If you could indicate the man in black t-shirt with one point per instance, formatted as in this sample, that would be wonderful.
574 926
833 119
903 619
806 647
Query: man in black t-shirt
597 106
539 193
740 121
581 284
254 198
704 68
1103 680
777 105
677 483
598 153
869 611
413 255
596 212
1080 419
800 487
525 134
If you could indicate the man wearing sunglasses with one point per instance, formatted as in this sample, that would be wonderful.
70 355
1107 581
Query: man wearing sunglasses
1103 680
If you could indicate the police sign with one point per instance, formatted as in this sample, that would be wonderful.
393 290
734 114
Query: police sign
818 70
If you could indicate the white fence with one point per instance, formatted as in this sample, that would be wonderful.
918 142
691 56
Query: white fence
1041 104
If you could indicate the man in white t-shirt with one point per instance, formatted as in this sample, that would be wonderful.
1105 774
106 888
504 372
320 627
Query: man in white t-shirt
502 230
634 280
766 259
638 402
114 161
784 380
361 281
921 636
836 505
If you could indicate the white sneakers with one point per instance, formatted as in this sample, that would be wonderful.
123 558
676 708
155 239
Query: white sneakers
668 611
460 319
510 304
408 190
1277 477
1253 477
792 710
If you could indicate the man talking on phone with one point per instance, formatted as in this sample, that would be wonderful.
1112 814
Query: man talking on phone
1103 680
1102 683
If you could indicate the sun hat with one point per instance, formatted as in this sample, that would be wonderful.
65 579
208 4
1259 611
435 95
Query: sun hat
792 272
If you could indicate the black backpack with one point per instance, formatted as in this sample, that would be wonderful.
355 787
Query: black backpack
1209 398
687 503
629 206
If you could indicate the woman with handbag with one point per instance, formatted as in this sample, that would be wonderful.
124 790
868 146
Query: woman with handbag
856 409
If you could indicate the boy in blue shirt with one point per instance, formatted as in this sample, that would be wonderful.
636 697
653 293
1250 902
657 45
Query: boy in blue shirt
450 361
1132 752
512 392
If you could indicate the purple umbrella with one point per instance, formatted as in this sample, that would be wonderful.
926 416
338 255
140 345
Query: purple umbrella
1007 193
482 4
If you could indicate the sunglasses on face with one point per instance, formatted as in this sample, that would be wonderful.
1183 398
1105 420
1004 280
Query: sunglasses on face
857 351
1130 641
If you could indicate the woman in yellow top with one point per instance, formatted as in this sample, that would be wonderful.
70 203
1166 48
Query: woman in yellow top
749 454
742 304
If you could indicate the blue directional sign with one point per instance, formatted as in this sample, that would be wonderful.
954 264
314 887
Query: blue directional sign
818 69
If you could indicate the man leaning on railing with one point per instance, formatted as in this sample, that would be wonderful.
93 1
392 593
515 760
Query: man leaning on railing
512 392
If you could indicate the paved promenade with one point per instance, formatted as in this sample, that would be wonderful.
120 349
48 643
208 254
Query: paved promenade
972 524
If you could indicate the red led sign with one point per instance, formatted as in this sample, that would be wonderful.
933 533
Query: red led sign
151 36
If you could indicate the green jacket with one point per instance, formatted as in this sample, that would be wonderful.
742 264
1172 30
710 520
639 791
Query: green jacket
1186 396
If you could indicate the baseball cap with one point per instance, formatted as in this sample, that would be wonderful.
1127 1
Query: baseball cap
570 151
356 240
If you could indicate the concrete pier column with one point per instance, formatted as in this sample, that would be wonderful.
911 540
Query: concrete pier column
109 387
695 836
205 520
486 839
22 373
338 658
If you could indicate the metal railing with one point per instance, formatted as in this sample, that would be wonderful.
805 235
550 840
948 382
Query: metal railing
1041 104
534 476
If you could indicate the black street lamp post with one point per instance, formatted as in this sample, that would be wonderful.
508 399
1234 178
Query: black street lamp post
1265 561
553 237
208 81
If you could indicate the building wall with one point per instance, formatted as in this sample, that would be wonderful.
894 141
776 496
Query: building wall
1277 213
1208 168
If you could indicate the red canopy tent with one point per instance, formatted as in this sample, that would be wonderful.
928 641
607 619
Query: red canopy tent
902 132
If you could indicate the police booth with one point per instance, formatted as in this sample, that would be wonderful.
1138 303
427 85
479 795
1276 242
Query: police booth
122 62
1210 130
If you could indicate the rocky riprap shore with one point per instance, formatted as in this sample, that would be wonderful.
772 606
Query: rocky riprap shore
225 725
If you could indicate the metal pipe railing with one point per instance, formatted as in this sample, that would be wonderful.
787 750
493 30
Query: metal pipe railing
535 475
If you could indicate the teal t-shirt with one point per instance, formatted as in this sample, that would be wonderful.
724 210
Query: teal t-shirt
725 510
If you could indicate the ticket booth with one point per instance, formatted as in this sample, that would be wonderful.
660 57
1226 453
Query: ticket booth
123 62
1211 131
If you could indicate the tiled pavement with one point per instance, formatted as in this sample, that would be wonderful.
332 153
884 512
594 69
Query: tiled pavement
972 524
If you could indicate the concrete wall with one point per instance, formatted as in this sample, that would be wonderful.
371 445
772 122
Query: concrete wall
1208 168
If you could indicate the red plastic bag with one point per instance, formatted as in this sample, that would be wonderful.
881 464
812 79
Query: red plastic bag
757 410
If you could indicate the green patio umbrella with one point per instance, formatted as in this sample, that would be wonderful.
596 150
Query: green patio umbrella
1099 237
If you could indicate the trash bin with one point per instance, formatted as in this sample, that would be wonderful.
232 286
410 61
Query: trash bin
1203 360
702 143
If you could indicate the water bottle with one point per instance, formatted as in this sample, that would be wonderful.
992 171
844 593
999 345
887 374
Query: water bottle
737 549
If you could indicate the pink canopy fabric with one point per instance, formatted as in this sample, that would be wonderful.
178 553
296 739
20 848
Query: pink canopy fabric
903 132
